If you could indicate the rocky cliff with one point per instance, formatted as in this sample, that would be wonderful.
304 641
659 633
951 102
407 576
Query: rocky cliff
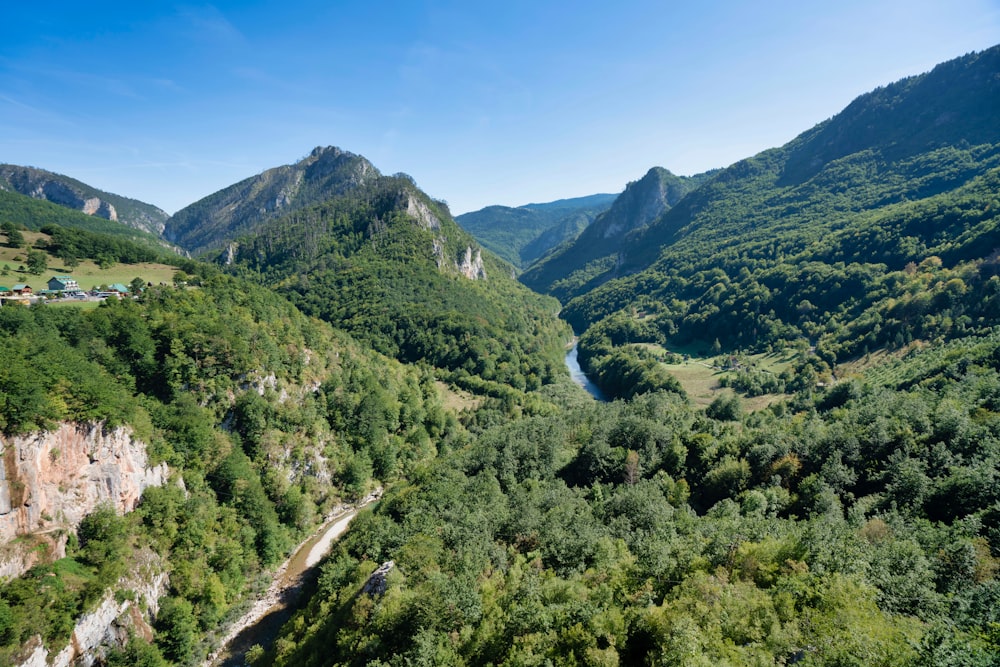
70 193
50 480
112 622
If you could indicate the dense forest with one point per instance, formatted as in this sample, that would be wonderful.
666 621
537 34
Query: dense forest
263 432
390 266
857 525
355 337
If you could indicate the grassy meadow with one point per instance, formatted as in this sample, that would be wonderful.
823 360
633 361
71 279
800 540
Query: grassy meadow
88 274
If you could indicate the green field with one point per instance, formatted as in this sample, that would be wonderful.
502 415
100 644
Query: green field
699 374
87 274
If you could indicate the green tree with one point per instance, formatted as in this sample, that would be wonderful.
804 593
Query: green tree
15 239
37 262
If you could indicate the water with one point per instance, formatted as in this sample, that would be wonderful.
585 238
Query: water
579 377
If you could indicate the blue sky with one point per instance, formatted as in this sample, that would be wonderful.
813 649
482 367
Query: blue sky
482 103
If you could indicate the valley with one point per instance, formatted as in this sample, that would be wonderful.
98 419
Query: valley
775 441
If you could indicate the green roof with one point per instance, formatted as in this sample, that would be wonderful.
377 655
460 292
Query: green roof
62 279
4 288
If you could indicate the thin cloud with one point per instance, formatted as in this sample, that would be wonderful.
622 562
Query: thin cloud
208 24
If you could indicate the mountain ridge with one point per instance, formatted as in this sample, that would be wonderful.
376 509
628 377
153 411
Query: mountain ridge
522 234
593 254
243 206
73 194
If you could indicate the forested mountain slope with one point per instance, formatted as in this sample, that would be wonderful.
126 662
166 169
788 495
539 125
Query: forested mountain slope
265 418
857 525
71 193
383 261
26 212
584 261
875 227
523 234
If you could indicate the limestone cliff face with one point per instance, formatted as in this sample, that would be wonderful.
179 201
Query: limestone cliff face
50 480
422 213
112 622
472 265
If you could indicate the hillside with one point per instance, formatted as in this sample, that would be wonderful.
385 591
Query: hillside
837 502
523 234
382 260
587 260
243 207
71 193
874 228
33 214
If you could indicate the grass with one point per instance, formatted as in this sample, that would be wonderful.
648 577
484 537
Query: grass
456 399
75 303
88 274
699 376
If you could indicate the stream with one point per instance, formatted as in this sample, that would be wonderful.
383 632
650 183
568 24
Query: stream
579 377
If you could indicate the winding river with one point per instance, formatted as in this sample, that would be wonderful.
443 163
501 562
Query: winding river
579 377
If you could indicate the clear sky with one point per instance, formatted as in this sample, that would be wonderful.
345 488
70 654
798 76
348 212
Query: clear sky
481 102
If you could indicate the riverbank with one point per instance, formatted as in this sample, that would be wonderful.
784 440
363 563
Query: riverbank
261 622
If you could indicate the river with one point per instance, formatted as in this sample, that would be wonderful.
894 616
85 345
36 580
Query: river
261 623
579 377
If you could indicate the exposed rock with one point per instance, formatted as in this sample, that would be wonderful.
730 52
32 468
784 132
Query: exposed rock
50 480
68 192
472 265
100 208
438 251
422 213
376 584
111 623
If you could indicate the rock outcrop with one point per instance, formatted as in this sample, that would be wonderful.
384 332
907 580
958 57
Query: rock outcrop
70 193
50 480
472 265
112 622
378 582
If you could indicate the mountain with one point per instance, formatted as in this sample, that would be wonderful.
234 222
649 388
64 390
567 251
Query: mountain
35 214
243 207
593 253
70 193
377 257
523 234
876 227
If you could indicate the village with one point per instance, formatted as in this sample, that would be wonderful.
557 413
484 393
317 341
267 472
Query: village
66 288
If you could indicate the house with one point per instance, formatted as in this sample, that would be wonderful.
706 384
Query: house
21 289
4 290
63 284
119 288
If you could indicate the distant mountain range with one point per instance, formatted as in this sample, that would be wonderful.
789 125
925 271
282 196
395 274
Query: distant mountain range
592 253
523 234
